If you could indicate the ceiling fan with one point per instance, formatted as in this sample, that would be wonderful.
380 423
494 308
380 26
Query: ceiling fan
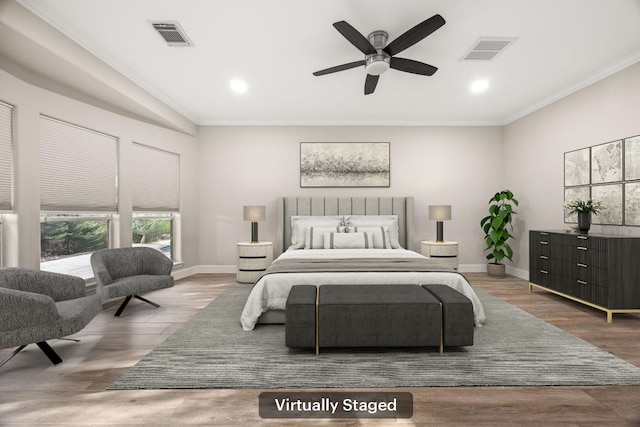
380 56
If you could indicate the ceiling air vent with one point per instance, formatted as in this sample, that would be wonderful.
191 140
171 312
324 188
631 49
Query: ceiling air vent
172 33
487 48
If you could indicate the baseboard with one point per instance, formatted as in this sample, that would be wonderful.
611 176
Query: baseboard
472 268
482 268
181 273
518 272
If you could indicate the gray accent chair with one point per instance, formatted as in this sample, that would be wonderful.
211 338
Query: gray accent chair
127 272
36 306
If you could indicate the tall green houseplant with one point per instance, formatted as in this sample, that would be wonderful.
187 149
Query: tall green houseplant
496 227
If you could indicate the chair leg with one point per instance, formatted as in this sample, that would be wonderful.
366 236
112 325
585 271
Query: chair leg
69 339
147 301
16 351
122 306
52 355
128 298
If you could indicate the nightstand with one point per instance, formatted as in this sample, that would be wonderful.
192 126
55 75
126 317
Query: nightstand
253 260
445 253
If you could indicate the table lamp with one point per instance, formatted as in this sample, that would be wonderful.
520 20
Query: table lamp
439 213
254 214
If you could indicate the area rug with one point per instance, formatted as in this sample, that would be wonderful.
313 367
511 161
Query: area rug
513 348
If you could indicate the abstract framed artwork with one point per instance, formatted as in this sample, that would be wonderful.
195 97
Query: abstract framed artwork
632 158
610 195
577 167
344 164
632 203
606 162
572 194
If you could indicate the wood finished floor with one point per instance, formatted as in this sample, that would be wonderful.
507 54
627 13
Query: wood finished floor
35 393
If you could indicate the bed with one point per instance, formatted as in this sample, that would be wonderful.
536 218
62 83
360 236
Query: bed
344 240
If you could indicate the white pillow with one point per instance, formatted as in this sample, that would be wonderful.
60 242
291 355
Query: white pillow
380 235
314 236
390 221
300 222
348 240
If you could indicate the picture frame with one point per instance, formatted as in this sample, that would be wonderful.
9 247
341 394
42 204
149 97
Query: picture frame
632 203
577 167
632 158
572 194
611 197
345 164
606 162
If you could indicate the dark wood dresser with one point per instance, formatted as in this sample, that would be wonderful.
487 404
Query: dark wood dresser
601 271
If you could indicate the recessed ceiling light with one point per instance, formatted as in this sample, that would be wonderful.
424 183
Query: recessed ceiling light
479 86
238 86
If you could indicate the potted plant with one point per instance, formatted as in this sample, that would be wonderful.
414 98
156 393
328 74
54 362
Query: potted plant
496 228
584 209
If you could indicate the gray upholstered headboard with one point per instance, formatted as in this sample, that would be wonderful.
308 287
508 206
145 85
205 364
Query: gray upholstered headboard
288 206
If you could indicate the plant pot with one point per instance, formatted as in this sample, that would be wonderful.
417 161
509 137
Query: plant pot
496 270
584 221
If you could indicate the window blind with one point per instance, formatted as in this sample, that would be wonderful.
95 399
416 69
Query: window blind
6 157
156 179
78 168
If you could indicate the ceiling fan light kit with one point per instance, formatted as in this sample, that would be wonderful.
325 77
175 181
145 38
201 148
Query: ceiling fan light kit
379 56
379 62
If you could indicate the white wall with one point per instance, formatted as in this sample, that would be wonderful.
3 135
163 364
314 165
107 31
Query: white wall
23 244
224 168
240 166
535 145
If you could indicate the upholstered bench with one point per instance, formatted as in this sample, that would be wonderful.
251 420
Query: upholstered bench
363 316
457 315
300 316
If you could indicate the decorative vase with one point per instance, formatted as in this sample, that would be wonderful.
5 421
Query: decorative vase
584 221
496 270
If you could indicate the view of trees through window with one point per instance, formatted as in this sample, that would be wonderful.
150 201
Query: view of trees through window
153 232
68 238
67 242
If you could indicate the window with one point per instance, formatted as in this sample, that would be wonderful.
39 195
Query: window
155 198
154 230
67 241
6 166
78 194
6 157
156 178
78 168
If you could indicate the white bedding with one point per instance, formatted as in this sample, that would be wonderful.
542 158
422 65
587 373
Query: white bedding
272 290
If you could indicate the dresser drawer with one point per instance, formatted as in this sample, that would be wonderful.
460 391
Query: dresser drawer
591 257
539 236
591 242
591 275
591 293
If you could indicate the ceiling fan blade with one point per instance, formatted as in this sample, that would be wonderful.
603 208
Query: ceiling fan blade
411 66
414 35
355 38
339 68
370 84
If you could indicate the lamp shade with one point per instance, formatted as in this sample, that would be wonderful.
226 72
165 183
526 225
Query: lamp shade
254 213
440 212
